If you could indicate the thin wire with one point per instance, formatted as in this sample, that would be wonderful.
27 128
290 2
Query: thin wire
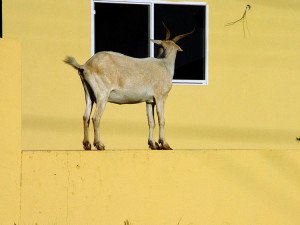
243 18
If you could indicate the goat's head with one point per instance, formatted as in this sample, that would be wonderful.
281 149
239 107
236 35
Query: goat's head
169 44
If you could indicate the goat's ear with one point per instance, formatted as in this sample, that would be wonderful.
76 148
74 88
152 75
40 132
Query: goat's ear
158 42
179 49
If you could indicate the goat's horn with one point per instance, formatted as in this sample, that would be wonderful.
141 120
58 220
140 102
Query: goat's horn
177 38
168 33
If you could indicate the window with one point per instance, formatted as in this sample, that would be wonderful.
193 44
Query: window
127 27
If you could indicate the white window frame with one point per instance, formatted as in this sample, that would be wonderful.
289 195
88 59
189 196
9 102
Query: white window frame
151 4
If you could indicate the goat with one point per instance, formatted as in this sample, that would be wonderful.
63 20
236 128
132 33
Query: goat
117 78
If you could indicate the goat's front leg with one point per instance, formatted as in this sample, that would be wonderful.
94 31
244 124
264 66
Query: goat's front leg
161 121
151 123
101 102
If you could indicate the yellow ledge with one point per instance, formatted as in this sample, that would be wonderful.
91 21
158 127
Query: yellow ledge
160 187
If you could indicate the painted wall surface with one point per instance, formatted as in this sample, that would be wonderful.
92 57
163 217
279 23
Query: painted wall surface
251 101
10 130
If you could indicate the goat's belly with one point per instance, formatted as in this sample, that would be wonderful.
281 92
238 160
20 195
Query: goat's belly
129 97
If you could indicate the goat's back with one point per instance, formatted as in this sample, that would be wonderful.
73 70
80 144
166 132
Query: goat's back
123 71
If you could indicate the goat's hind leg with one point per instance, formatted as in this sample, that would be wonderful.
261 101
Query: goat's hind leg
86 122
89 99
101 103
100 97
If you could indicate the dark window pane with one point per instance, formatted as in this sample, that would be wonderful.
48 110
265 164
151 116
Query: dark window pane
122 28
190 64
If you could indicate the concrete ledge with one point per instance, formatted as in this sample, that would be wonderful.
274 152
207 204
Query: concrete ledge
156 187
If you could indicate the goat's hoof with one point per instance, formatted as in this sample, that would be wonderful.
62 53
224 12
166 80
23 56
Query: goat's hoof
99 147
87 146
166 147
153 146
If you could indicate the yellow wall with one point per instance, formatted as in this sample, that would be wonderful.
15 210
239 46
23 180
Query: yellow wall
251 102
10 130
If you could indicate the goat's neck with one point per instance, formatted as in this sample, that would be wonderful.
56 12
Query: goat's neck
169 60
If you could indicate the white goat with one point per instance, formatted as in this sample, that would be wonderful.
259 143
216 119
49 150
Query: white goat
117 78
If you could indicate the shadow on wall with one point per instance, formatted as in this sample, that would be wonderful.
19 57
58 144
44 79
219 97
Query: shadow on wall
45 123
182 132
238 134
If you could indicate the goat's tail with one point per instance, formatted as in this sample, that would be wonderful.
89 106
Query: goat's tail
72 61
